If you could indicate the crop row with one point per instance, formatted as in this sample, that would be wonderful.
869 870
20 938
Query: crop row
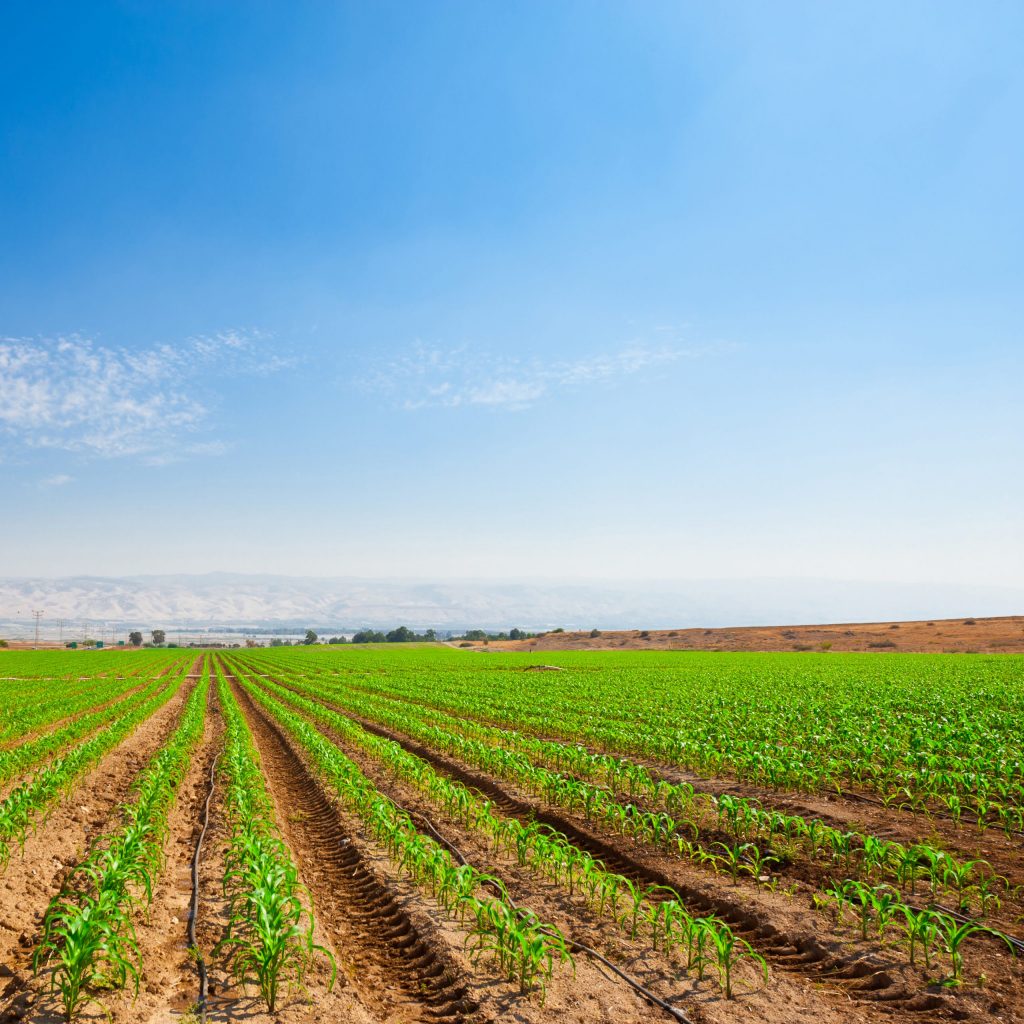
270 930
62 700
636 908
88 935
920 729
660 830
27 801
16 760
525 948
676 817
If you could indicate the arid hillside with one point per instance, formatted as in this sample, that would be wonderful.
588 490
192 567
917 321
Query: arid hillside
1003 635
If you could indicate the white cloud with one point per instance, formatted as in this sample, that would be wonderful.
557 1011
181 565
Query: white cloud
58 480
76 395
425 377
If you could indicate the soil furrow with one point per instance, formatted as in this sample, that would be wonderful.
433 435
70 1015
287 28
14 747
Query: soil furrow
58 844
848 811
398 963
553 903
169 978
797 944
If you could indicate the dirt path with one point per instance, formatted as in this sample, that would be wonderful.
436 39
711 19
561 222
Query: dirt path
33 879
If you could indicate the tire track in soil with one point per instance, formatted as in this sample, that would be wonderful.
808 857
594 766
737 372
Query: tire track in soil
60 842
398 968
864 978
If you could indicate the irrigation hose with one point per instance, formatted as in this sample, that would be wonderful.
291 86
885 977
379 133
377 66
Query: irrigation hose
935 812
193 910
671 1010
984 929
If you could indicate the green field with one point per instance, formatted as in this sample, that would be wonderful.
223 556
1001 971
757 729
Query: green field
719 828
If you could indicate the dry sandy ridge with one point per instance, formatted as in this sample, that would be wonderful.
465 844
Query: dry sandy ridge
1002 635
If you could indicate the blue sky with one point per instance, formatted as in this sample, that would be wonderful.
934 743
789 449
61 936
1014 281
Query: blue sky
632 290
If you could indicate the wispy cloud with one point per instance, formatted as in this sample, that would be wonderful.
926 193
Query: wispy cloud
57 480
426 377
76 395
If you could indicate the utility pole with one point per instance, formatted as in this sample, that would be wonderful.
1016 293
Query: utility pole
60 626
37 615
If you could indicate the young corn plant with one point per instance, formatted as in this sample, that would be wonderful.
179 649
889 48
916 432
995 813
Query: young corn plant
270 931
730 950
526 949
88 935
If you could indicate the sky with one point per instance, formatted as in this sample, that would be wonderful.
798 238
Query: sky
562 290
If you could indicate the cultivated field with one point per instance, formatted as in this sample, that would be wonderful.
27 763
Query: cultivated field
402 833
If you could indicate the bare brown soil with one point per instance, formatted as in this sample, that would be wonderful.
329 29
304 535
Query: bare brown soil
795 940
1002 635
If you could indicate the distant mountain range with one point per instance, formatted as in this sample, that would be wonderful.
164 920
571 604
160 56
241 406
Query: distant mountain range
264 601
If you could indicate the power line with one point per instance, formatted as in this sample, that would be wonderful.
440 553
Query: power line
37 615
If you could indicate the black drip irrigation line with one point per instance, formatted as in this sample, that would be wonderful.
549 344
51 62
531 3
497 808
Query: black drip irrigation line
928 812
984 929
193 910
673 1011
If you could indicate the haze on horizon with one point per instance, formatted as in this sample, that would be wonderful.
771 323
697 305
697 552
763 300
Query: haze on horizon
564 291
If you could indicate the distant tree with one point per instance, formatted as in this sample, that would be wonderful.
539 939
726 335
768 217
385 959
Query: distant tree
311 637
594 633
430 636
558 630
3 643
516 634
159 636
369 636
475 634
135 638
